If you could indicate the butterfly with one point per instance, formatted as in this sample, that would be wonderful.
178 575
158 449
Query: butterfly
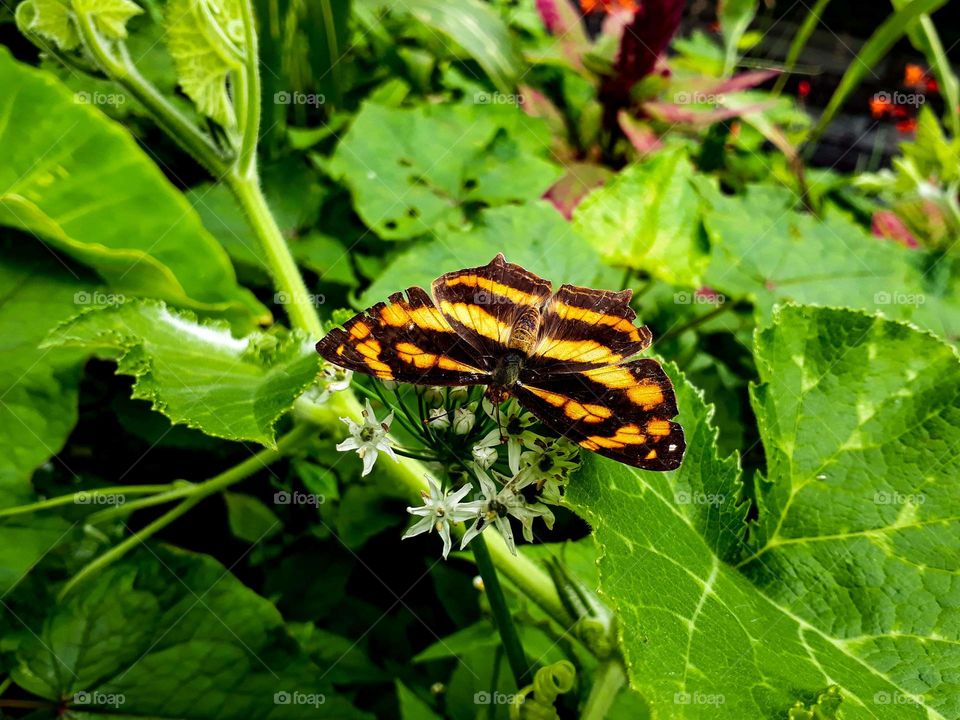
568 357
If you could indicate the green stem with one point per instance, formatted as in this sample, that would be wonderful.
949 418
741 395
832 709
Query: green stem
810 22
179 491
77 497
283 268
501 613
198 492
250 92
697 321
609 679
177 126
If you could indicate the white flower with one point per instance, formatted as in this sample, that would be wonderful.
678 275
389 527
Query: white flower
548 463
330 380
439 419
496 509
368 439
439 510
463 420
514 427
433 395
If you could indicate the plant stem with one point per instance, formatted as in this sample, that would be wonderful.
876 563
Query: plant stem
198 492
250 92
179 491
697 321
609 679
283 268
74 498
122 71
501 613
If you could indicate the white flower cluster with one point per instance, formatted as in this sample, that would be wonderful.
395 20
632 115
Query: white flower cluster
534 473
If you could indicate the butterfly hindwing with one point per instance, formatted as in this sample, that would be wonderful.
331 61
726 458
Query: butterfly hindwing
406 339
583 328
482 304
620 411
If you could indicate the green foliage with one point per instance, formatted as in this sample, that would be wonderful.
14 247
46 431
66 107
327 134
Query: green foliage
196 373
207 45
98 198
649 218
414 170
838 564
172 634
801 563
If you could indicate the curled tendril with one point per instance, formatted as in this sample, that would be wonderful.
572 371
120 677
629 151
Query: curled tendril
535 701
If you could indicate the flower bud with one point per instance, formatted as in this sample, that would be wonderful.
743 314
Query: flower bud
459 393
433 395
439 420
390 385
484 456
463 421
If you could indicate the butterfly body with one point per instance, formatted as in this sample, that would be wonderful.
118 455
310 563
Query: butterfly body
569 356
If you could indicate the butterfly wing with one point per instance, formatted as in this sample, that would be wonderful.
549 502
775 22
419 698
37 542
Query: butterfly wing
482 304
582 328
620 411
406 339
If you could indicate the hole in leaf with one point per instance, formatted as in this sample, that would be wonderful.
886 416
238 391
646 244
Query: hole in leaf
469 183
390 224
404 162
413 212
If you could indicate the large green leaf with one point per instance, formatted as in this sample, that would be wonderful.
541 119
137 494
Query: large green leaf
783 255
534 235
79 182
169 634
195 373
649 218
846 587
412 170
38 388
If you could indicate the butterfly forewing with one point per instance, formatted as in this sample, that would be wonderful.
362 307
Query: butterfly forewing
406 339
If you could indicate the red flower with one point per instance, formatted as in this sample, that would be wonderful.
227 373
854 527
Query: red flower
886 224
913 75
907 126
803 88
880 106
608 6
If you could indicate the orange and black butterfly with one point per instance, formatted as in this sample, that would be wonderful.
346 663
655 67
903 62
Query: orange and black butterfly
567 356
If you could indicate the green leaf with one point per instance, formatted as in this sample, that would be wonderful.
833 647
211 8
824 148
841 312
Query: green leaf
550 248
207 45
169 634
250 520
412 707
735 17
24 541
412 170
50 19
110 16
782 255
477 28
81 183
648 218
872 54
844 590
198 374
38 388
